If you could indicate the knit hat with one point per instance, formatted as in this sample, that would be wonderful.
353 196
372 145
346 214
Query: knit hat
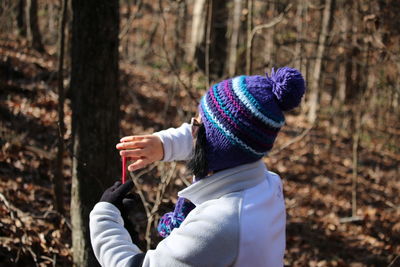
174 219
243 115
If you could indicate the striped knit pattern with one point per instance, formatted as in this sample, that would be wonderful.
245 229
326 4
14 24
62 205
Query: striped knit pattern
172 220
242 117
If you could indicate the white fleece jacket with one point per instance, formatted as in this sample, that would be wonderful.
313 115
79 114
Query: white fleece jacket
239 220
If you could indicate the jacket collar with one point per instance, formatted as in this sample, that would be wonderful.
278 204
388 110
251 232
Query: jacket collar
224 182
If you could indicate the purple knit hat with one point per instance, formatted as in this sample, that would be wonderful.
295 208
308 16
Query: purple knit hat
243 115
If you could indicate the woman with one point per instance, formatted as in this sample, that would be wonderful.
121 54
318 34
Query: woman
234 212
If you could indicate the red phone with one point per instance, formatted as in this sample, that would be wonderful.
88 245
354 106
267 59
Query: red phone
123 169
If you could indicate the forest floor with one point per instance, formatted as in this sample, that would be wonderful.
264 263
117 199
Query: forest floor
316 168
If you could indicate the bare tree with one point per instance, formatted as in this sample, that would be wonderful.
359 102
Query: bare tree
269 36
353 57
21 20
299 49
249 28
208 51
95 113
180 31
315 82
233 47
198 29
251 33
32 22
58 174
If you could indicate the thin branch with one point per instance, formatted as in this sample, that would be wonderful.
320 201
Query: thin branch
125 30
169 62
14 211
393 261
165 180
160 192
34 256
184 181
151 212
294 140
49 259
270 24
135 178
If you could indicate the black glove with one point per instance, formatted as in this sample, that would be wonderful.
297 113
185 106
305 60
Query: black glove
131 205
116 193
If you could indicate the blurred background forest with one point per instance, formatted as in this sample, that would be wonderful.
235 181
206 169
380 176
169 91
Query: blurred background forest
75 77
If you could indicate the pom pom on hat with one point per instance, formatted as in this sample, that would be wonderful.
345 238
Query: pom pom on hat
288 87
172 220
169 222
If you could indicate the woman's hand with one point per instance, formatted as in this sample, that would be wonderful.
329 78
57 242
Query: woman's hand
142 149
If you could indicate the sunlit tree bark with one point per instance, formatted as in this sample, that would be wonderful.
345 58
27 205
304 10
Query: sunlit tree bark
207 48
315 82
233 47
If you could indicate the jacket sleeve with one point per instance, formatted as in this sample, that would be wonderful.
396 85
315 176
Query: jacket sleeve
177 142
207 237
111 242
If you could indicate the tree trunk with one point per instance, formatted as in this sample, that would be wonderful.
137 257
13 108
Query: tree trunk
34 35
198 29
305 66
233 53
299 42
344 75
249 28
95 113
269 37
353 69
21 22
217 42
180 32
218 37
58 174
315 82
52 17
